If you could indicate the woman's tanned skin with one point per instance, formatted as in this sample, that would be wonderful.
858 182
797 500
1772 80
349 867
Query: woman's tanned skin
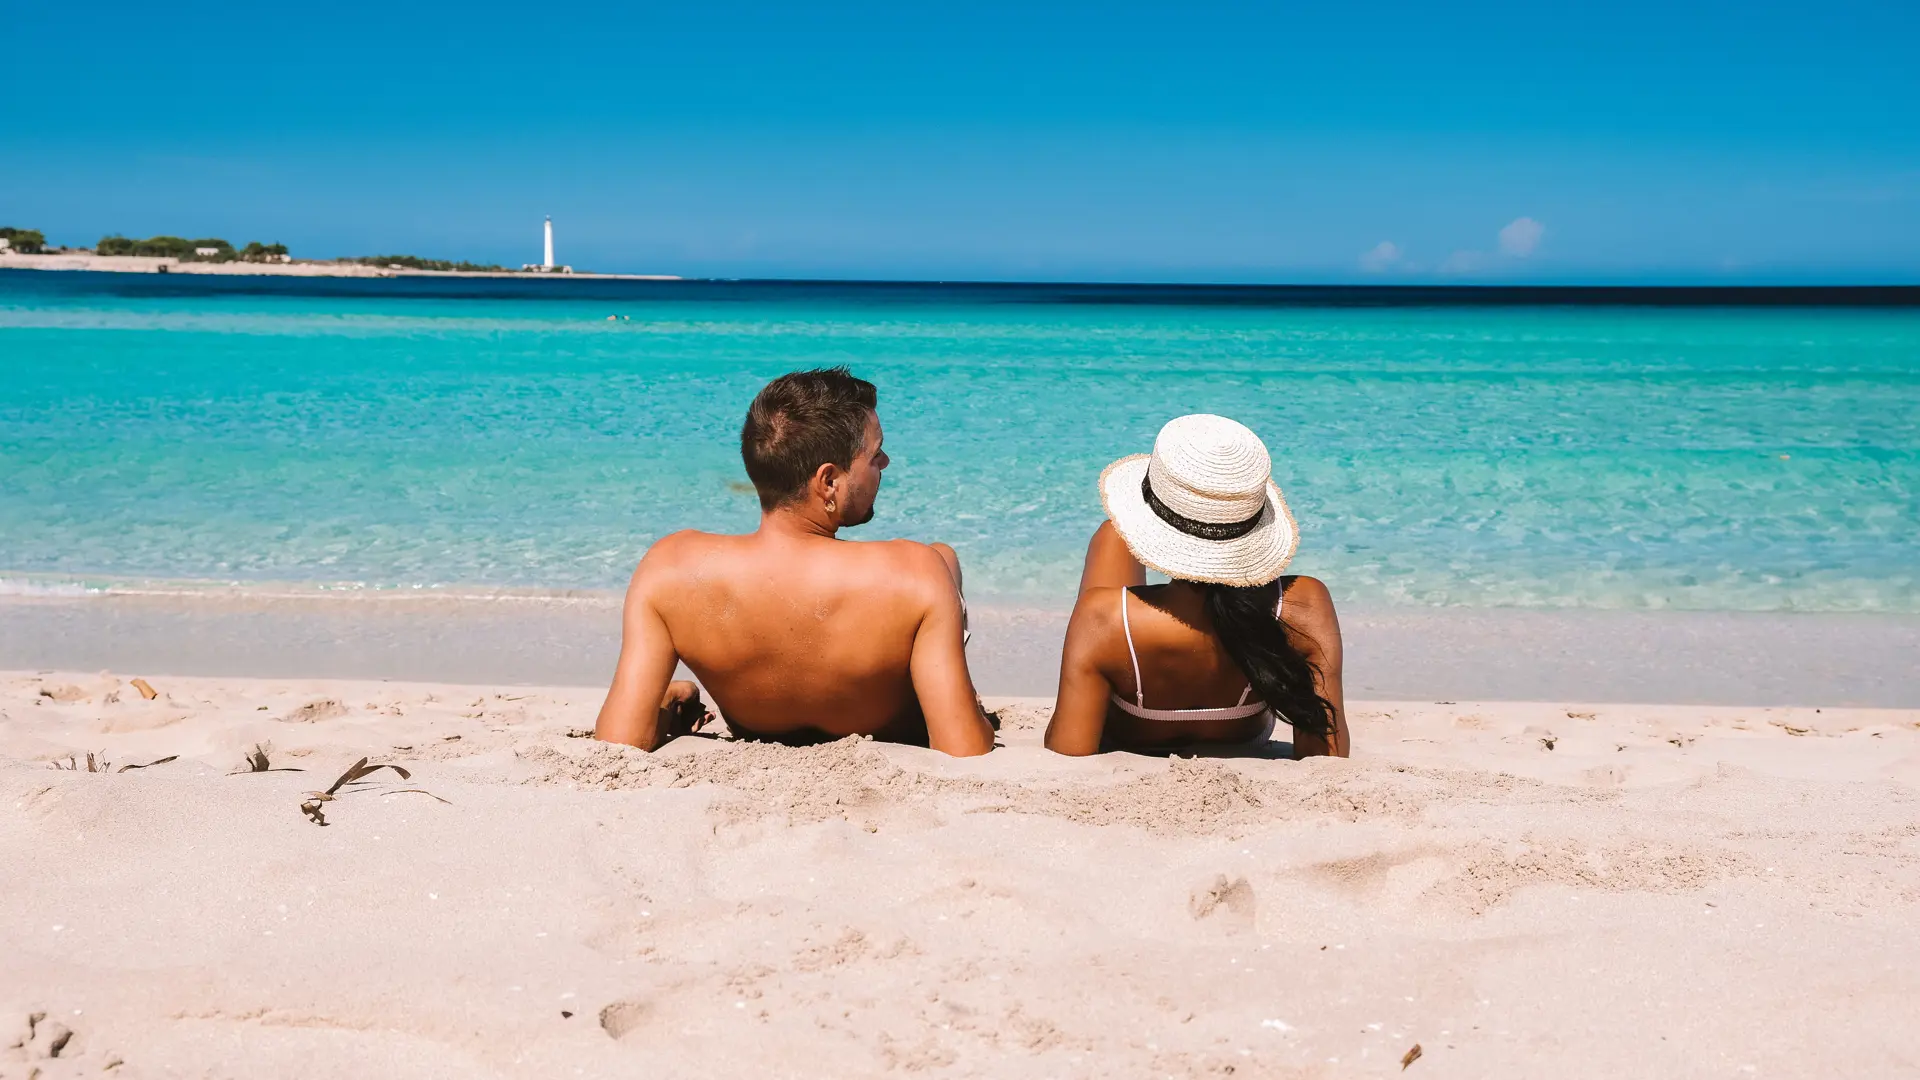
796 634
1182 663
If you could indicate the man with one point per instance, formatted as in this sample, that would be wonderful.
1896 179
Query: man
798 635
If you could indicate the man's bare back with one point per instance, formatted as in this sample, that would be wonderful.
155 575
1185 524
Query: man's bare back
797 634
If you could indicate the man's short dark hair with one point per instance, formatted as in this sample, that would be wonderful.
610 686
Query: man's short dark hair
799 422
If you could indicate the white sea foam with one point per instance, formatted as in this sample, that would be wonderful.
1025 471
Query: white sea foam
31 587
243 592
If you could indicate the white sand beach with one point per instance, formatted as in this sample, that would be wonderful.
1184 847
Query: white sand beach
1517 889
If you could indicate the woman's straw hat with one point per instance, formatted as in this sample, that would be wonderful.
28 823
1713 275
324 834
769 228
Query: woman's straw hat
1202 506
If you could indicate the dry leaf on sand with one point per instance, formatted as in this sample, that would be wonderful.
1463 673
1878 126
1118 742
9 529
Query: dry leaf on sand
257 761
360 769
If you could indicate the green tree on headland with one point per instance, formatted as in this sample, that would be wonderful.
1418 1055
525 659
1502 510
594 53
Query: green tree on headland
174 247
222 251
415 262
165 247
24 241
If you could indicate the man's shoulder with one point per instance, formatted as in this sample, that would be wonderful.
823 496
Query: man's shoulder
693 541
898 549
909 560
678 548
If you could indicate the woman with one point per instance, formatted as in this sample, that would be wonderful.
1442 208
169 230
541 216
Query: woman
1211 657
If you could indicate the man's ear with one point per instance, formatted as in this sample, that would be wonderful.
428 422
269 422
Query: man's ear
824 479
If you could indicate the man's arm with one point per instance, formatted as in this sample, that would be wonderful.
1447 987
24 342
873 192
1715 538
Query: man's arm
643 701
1080 708
1312 624
938 667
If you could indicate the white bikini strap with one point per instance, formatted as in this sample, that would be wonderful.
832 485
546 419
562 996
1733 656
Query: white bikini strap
1139 692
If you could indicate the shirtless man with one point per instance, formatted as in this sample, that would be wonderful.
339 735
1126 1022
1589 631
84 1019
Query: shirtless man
798 635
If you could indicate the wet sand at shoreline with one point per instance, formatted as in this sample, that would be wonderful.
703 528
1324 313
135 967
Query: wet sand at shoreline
1677 657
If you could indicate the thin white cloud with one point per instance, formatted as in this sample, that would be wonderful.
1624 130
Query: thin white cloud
1382 256
1518 240
1465 262
1521 237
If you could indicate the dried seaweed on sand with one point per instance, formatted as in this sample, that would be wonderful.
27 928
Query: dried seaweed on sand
360 769
98 763
257 761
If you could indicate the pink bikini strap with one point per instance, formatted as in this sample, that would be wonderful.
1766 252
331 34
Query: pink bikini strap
1139 692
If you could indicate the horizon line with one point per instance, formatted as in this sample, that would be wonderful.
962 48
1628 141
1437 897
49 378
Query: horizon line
583 284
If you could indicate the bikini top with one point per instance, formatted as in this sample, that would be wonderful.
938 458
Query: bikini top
1138 706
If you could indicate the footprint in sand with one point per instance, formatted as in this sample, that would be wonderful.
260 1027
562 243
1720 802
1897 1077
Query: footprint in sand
315 711
623 1018
42 1047
65 693
1228 904
1605 776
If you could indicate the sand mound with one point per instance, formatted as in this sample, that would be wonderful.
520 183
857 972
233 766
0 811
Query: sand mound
855 909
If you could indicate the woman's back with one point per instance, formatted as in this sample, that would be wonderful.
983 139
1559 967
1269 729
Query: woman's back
1201 658
1178 684
1183 665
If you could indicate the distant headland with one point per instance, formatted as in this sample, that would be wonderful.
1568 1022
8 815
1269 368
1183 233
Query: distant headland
27 249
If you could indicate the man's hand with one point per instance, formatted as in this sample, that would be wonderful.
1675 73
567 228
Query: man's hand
681 710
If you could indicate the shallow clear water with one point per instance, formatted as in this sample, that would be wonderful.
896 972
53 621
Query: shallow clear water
1721 459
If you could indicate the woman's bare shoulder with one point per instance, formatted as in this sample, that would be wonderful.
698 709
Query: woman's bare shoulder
1096 617
1307 605
1307 591
1098 604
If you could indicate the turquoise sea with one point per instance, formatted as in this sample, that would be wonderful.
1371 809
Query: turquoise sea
385 434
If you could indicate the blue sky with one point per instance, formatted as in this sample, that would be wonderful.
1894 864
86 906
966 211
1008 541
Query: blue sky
1624 141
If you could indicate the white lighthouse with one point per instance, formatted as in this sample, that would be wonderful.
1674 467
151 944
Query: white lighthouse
547 265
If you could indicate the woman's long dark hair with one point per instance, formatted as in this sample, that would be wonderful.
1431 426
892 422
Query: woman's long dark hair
1254 638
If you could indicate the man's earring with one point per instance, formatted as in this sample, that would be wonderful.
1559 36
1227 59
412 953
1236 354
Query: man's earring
830 506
